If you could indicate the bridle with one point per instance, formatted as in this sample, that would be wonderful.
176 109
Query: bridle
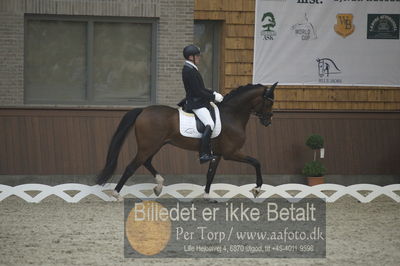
263 115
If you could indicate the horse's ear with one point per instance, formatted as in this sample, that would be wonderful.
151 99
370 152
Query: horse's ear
273 87
269 92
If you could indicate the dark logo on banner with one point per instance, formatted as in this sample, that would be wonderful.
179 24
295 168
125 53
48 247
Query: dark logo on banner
305 29
383 26
268 24
309 2
344 26
326 68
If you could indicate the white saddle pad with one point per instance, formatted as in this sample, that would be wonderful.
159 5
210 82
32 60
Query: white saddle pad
187 124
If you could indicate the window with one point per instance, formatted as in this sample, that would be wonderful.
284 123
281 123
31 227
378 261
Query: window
75 60
206 36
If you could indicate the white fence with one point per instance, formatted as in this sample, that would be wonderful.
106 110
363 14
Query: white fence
183 191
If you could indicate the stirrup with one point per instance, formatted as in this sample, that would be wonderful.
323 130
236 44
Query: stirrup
207 157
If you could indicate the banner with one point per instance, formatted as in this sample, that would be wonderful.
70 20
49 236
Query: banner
327 42
230 228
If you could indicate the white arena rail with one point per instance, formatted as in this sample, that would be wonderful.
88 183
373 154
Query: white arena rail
292 192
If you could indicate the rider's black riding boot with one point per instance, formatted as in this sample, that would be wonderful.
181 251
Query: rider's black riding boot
205 148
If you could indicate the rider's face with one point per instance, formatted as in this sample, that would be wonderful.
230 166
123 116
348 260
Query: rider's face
195 59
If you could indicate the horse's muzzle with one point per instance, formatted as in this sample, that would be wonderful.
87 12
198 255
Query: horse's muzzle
268 123
265 122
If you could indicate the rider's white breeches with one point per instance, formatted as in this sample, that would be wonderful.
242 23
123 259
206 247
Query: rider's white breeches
204 115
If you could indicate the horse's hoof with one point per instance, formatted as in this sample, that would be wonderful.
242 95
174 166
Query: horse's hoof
117 196
208 199
157 190
256 191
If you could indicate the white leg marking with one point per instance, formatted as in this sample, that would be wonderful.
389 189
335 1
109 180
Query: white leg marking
160 181
117 196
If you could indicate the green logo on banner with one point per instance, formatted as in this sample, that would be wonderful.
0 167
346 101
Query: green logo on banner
268 23
383 26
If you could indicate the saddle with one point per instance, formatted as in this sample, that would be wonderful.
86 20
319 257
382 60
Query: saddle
191 126
199 125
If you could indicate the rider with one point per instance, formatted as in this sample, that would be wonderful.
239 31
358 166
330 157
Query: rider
198 98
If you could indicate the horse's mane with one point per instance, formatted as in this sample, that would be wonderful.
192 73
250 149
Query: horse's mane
239 91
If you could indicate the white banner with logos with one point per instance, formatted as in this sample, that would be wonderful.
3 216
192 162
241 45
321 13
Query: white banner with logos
327 42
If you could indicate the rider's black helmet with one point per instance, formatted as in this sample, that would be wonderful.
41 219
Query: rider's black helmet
190 50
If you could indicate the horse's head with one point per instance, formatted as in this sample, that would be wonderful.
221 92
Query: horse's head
263 107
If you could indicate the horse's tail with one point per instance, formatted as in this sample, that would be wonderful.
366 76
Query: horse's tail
116 143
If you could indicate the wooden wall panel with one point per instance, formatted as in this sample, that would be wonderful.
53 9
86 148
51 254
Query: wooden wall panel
234 30
237 60
237 39
239 56
34 141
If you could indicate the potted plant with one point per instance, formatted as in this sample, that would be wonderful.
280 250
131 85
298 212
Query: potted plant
314 170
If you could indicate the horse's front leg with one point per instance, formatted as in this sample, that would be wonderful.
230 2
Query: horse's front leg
238 157
212 169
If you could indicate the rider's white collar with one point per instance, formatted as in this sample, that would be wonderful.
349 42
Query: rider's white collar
190 63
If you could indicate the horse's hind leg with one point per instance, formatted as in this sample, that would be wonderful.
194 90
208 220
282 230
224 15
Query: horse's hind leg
158 178
145 152
129 171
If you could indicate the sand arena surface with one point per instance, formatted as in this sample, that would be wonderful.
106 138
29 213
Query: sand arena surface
91 232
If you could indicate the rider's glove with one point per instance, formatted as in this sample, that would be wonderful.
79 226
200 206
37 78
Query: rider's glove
218 97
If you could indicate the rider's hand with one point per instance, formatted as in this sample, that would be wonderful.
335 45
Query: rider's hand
218 97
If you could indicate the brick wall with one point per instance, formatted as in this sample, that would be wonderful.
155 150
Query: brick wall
174 32
11 59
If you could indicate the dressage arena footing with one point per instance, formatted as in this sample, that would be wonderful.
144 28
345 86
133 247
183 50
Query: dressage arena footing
362 221
91 232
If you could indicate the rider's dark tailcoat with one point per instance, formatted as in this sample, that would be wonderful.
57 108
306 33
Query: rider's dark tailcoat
197 95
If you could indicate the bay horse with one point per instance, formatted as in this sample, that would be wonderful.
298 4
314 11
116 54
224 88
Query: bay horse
158 125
